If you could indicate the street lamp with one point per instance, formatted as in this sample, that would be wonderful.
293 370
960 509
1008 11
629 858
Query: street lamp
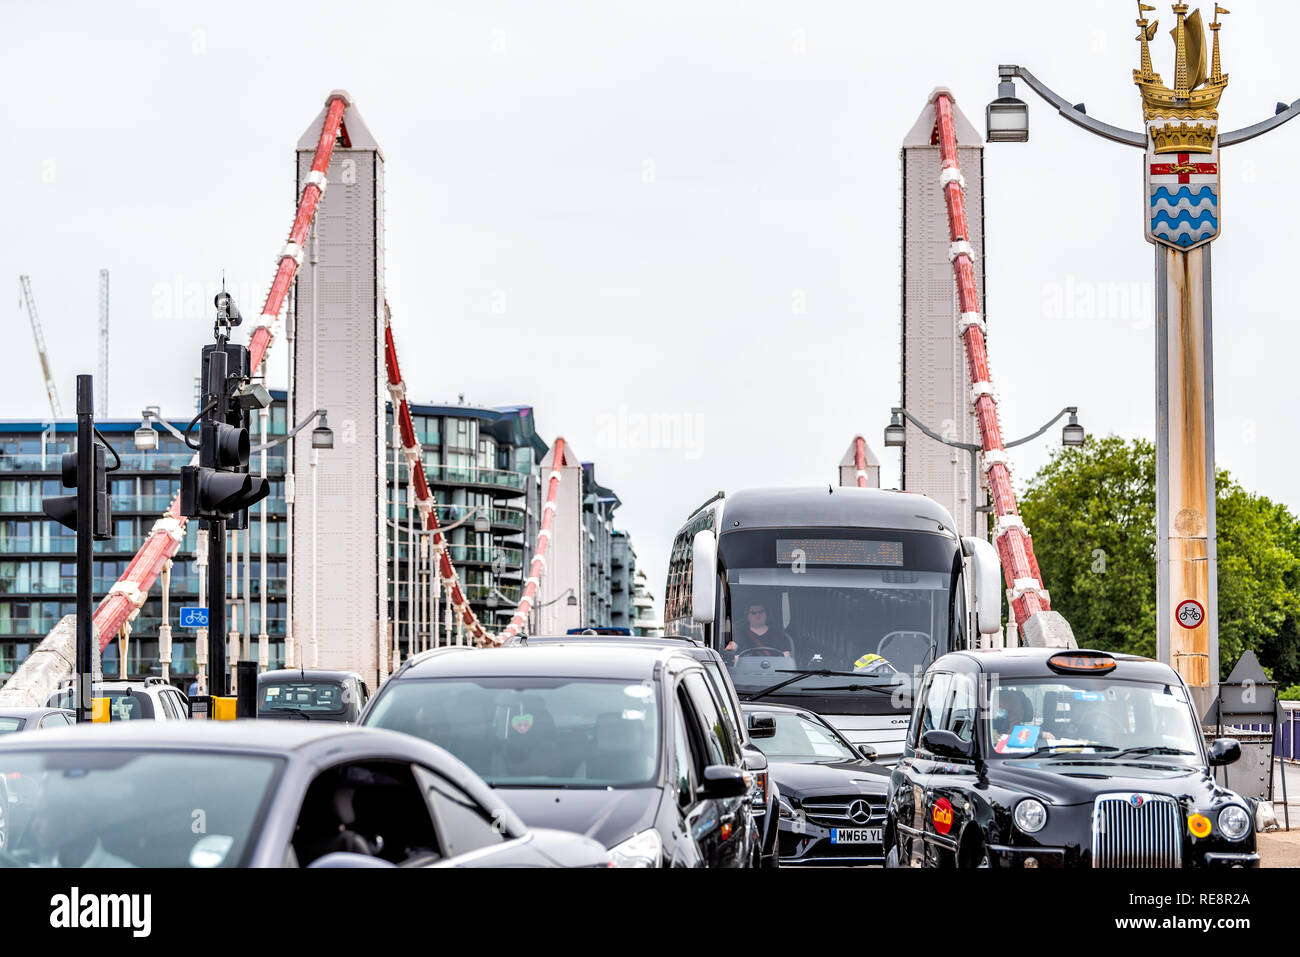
895 431
322 437
1072 435
1006 119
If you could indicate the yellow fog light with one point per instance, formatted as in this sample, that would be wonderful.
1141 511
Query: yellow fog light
1199 825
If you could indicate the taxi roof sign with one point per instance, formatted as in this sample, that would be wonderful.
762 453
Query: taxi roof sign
1087 662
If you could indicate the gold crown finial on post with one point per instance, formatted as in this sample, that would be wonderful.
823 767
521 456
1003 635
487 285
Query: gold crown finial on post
1184 119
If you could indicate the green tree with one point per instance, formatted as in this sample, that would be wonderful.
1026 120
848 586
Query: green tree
1092 514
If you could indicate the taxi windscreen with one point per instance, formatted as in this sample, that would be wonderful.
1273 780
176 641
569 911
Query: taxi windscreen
301 697
1093 715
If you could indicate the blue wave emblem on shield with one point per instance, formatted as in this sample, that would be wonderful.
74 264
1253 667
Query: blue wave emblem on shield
1184 217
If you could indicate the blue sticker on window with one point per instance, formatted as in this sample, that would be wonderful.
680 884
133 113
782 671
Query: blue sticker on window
1023 736
1089 696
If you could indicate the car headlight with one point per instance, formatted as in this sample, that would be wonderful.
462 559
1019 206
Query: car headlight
759 794
1234 822
640 850
1030 816
788 810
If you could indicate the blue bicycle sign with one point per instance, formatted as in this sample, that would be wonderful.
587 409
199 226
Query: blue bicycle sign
194 617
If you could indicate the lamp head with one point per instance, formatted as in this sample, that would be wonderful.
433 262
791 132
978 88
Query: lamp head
1072 433
1006 119
895 432
322 437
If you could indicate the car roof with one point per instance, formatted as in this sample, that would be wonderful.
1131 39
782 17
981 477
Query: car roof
1032 663
32 712
665 641
309 674
246 735
583 659
833 507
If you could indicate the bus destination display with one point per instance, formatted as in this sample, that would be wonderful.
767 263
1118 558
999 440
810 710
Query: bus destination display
838 551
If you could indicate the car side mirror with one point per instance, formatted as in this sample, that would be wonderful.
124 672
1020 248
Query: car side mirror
945 744
349 859
723 781
1224 751
867 751
762 726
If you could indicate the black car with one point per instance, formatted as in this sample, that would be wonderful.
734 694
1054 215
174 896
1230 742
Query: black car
311 694
1039 757
765 795
832 797
625 744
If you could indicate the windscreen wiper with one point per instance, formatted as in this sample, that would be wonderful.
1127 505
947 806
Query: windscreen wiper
1064 748
819 673
298 711
1150 749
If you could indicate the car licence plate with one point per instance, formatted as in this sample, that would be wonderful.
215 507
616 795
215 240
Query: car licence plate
855 835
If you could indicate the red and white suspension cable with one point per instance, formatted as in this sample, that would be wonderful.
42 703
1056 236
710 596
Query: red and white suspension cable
128 594
860 460
1014 545
429 517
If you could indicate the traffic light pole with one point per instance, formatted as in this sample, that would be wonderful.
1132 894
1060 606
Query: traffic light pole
85 531
218 669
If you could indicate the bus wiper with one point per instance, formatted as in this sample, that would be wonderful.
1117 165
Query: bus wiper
819 673
1150 749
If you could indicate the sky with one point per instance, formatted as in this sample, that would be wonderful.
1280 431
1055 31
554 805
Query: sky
620 214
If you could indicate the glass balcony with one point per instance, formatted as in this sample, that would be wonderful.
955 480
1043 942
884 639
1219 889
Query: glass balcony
507 518
501 480
474 554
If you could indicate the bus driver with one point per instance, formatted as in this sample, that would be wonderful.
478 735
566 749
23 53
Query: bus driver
760 637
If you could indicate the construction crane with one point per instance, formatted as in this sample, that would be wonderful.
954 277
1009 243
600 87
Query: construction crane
101 402
25 285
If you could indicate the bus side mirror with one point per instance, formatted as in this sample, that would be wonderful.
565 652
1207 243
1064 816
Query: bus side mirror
987 569
704 570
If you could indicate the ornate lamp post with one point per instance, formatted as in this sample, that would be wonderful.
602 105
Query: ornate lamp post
1181 218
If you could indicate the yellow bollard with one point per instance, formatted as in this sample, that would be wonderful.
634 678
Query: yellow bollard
100 711
224 709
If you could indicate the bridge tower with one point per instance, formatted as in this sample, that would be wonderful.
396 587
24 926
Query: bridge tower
935 384
340 566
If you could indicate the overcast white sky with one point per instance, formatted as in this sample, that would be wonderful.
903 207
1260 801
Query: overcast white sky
634 200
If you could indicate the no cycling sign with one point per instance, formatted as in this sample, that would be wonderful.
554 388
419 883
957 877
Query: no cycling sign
1190 613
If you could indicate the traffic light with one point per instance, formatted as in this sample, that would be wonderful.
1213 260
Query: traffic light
63 508
219 487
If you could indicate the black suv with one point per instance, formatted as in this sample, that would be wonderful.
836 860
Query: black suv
625 744
1041 757
765 795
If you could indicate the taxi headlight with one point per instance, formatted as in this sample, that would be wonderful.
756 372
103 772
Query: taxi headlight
1234 822
640 850
1030 816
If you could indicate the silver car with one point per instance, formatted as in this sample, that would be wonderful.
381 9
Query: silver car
263 794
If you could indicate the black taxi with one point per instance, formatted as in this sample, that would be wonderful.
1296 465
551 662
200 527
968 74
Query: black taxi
1041 757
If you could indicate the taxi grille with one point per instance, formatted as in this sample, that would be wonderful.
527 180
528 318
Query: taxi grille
1137 830
836 811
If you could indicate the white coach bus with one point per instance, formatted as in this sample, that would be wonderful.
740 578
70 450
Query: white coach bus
832 599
